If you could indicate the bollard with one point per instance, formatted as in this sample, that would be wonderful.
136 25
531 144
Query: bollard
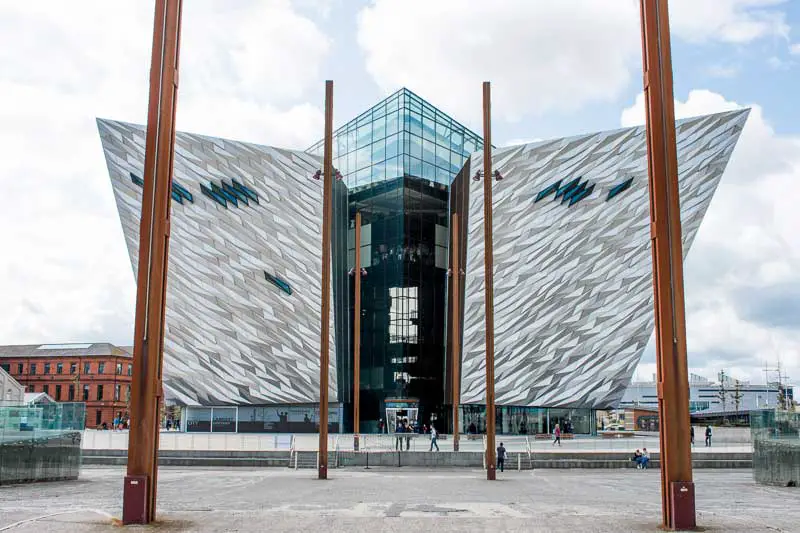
519 462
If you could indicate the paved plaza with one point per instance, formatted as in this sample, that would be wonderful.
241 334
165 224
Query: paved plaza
397 500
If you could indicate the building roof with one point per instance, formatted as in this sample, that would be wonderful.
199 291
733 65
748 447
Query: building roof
95 349
37 397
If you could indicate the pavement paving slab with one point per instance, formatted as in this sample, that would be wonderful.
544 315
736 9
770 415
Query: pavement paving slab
402 500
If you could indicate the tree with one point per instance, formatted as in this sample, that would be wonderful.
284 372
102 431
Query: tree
781 396
737 395
722 393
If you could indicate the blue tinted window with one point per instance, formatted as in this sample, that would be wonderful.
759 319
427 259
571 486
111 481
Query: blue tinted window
580 196
616 189
568 187
213 195
544 193
392 146
278 282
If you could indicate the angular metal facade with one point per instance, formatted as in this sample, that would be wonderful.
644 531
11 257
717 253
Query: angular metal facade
243 293
573 267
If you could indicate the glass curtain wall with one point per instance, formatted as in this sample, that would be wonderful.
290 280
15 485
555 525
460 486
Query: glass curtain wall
513 420
398 160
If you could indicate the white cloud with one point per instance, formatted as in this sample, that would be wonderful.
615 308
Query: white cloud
777 63
245 69
540 56
745 251
732 21
724 71
794 49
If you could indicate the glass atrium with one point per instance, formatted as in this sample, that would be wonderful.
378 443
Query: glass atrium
398 160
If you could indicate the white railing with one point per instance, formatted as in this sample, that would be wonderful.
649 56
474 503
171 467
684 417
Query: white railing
175 440
529 450
530 444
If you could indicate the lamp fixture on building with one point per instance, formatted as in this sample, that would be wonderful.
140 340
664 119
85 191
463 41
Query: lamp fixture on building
336 174
479 174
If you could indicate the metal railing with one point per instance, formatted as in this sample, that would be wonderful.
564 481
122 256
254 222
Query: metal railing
308 442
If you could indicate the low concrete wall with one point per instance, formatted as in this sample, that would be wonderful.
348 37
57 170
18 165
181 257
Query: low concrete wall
54 458
523 461
345 459
777 462
722 435
193 458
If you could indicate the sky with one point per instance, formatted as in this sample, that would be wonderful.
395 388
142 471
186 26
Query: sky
255 70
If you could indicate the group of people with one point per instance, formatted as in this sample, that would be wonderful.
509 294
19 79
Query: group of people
641 458
708 436
403 432
403 427
174 424
120 423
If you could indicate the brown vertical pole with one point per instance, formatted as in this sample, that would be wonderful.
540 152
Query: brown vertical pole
677 488
139 491
357 336
456 325
327 184
489 277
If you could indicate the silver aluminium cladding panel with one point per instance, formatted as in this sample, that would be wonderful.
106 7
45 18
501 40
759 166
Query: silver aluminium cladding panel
573 289
243 288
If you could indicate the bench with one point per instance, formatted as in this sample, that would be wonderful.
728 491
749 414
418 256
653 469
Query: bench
548 436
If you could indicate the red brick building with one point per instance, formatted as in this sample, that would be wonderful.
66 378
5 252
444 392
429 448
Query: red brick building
97 374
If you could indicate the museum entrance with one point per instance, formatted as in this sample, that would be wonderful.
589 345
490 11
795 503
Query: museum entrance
395 415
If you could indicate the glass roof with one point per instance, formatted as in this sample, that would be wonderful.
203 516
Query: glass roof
401 136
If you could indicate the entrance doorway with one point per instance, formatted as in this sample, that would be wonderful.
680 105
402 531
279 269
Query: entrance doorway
396 414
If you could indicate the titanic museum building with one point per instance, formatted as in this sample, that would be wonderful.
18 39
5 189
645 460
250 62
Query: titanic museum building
573 280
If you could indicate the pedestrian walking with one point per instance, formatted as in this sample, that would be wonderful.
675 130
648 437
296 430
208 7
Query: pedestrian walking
557 435
434 436
691 435
708 436
501 457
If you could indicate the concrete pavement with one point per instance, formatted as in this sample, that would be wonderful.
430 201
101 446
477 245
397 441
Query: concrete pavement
205 500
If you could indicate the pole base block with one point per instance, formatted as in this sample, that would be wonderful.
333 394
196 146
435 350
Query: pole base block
134 500
355 443
682 511
491 473
323 472
455 444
